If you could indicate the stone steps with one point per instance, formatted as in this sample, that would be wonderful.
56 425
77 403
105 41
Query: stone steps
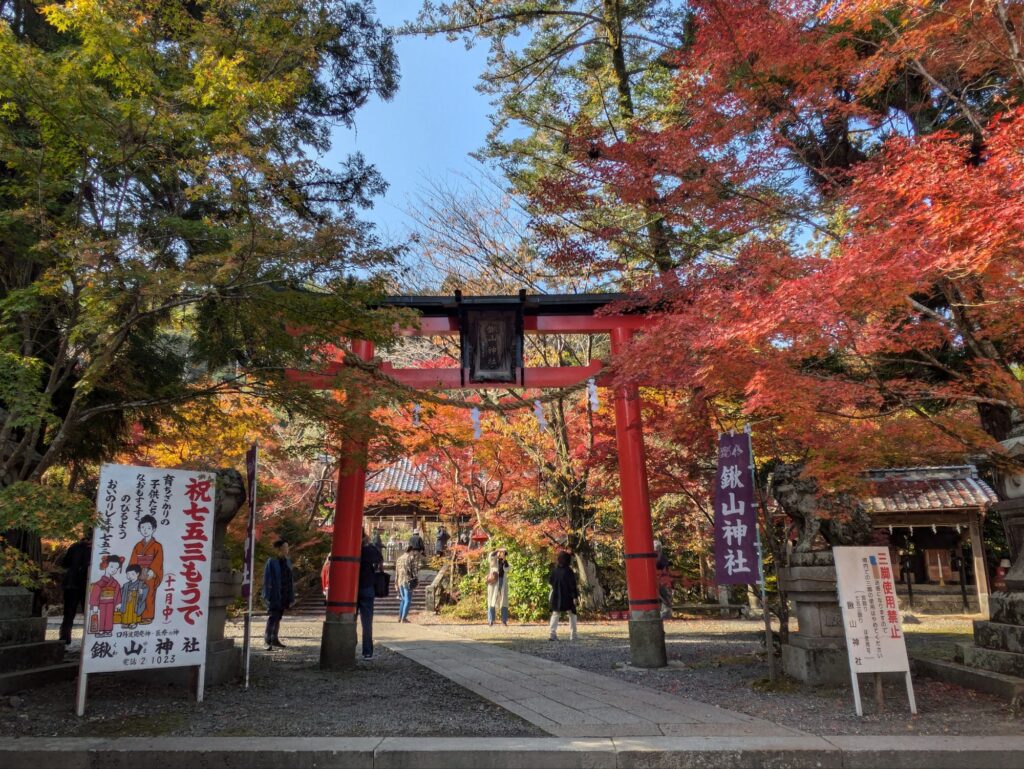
21 656
999 636
30 679
23 630
1007 663
1009 688
27 659
1006 608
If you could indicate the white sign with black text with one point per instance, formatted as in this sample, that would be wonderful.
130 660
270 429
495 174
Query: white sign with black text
871 615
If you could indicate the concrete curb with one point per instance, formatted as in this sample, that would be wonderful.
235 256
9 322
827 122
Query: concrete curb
896 752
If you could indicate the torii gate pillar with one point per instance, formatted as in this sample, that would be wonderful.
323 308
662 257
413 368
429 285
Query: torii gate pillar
646 630
338 641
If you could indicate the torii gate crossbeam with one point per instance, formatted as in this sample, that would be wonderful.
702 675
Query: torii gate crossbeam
543 315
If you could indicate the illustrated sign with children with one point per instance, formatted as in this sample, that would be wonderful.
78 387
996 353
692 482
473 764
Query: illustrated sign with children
150 572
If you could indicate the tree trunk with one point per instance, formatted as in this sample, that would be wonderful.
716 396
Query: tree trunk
592 595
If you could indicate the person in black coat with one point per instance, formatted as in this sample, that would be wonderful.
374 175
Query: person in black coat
370 563
278 592
75 581
416 542
564 595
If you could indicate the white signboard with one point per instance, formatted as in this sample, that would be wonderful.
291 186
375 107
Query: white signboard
149 578
871 614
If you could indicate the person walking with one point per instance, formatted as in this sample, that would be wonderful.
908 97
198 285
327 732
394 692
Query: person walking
441 543
278 592
370 562
416 542
564 595
75 581
407 576
497 585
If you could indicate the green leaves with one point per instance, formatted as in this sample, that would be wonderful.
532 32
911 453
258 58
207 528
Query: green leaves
46 511
163 208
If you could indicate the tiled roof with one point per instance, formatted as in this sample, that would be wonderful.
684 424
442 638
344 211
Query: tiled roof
403 475
913 489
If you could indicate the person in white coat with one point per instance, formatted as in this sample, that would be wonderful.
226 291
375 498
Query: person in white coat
497 585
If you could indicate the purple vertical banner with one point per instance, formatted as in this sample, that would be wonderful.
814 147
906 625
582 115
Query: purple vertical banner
735 514
250 529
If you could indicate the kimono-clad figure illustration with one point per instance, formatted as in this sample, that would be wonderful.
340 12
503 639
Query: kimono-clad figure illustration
148 554
133 598
105 597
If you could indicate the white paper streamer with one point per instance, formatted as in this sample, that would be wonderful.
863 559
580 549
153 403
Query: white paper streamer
538 411
475 416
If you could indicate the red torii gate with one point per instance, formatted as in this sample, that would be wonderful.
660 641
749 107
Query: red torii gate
539 314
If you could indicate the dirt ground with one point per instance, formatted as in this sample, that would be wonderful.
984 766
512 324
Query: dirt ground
289 696
719 662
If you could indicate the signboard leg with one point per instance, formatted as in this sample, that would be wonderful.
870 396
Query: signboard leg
856 693
879 693
200 682
82 685
910 695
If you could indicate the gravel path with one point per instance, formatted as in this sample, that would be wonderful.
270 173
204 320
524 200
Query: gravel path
289 696
721 662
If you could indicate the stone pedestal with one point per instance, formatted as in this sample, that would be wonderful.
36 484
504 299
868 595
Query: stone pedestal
27 659
223 657
338 643
999 641
816 653
647 639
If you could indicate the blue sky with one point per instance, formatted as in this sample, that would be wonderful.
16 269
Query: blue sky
427 130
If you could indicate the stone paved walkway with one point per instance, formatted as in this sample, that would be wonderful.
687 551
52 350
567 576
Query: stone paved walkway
562 700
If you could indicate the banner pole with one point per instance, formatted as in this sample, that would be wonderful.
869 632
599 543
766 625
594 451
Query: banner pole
769 643
250 555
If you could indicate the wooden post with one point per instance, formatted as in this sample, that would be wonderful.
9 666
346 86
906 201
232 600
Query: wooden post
769 641
879 694
980 563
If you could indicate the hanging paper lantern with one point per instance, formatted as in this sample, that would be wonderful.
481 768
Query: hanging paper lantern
592 392
538 411
475 416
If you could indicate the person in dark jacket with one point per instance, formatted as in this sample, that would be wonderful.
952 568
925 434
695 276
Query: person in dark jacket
278 592
370 563
564 595
75 581
416 542
441 543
